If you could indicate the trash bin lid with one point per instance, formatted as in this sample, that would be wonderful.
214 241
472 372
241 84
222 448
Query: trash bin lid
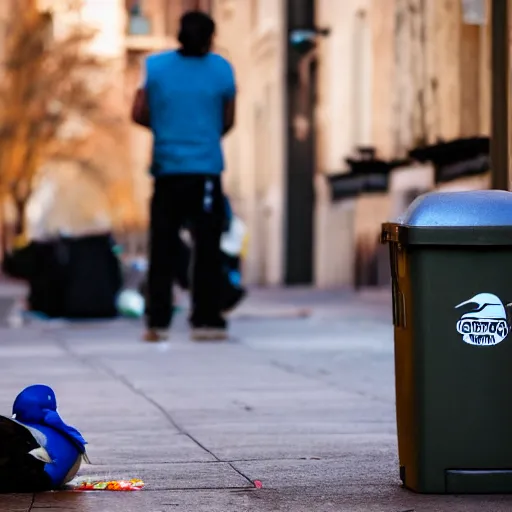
480 217
460 209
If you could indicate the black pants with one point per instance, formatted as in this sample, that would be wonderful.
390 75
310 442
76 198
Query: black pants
196 200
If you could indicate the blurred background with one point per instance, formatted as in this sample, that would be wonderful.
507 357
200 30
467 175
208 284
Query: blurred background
347 110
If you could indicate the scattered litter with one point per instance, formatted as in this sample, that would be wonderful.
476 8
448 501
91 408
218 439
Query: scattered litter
257 484
246 407
112 485
130 304
15 318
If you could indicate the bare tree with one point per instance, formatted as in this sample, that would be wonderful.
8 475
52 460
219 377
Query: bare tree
51 105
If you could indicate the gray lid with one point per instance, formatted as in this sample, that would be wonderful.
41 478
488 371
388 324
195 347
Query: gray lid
460 209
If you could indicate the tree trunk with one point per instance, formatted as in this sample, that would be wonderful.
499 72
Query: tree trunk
3 230
20 206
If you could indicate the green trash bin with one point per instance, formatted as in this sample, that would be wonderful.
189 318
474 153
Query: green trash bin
451 265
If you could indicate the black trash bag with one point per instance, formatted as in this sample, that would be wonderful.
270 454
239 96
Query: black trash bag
94 277
43 266
75 278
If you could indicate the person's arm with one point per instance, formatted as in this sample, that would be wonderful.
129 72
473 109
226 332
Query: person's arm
229 115
140 106
140 109
229 99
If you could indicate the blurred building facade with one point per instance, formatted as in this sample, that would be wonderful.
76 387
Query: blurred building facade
385 77
390 76
431 82
250 34
433 67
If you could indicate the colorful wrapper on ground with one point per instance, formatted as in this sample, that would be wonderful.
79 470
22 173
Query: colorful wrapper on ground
110 485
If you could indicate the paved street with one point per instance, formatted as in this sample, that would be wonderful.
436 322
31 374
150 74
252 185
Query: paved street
300 399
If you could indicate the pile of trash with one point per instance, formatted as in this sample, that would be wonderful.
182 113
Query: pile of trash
88 277
69 277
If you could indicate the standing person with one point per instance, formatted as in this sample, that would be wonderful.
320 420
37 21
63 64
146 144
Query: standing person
187 99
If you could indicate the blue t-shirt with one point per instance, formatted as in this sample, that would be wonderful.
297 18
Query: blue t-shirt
186 97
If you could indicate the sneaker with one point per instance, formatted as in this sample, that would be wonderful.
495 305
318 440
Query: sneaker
156 335
209 334
211 331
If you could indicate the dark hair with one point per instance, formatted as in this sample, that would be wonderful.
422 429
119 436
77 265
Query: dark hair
196 33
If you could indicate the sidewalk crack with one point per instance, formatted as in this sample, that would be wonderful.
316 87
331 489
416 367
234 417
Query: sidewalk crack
171 420
98 365
32 502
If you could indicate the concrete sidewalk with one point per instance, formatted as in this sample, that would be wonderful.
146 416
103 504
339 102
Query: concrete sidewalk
304 404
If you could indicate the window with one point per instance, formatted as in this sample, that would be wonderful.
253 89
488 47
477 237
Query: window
138 22
474 12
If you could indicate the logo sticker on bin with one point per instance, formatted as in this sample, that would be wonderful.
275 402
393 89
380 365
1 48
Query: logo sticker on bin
486 324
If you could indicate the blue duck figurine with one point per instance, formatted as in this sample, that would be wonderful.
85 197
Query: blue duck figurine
38 451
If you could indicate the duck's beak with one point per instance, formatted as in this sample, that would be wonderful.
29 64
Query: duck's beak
41 454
